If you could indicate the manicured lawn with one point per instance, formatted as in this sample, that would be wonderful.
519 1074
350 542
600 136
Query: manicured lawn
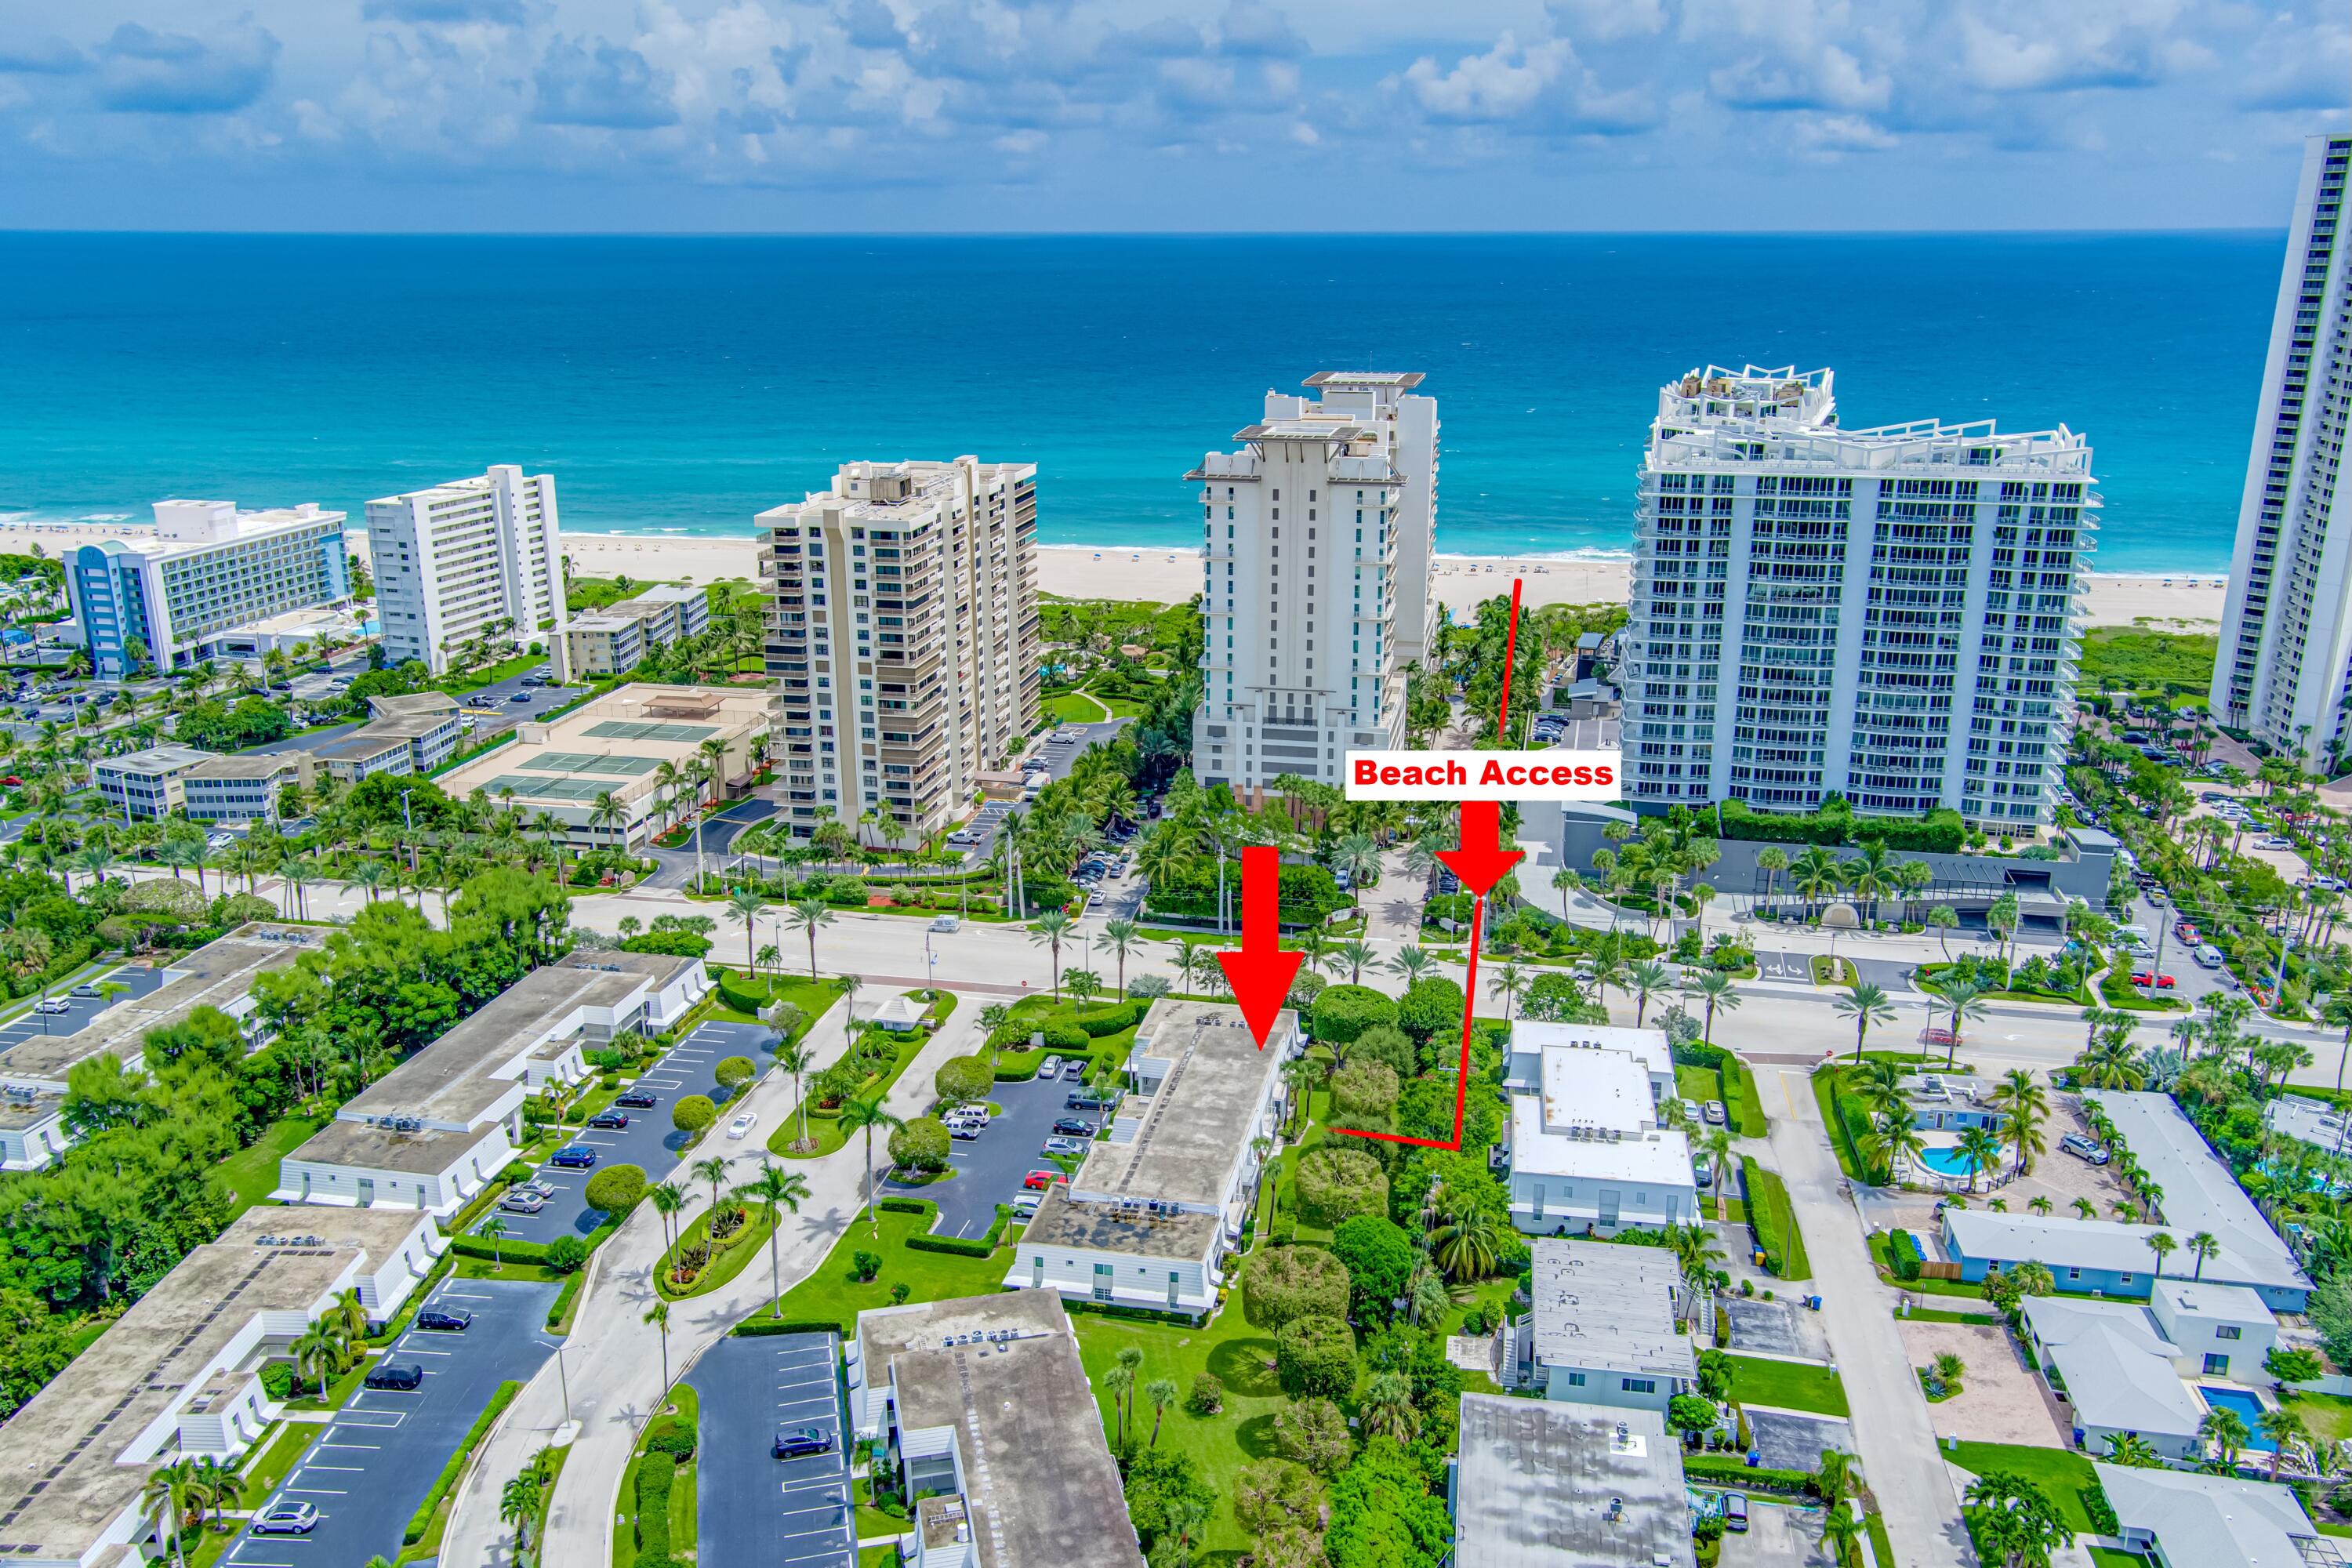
832 1295
684 1516
825 1132
1070 708
1219 1445
252 1173
1701 1084
2328 1415
1788 1385
1823 974
261 1474
2107 1557
2060 1472
1776 1222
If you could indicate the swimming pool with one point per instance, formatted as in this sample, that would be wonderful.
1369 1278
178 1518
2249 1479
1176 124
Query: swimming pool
2249 1409
1945 1160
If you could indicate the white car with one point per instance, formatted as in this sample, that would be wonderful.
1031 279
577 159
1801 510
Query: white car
741 1126
946 925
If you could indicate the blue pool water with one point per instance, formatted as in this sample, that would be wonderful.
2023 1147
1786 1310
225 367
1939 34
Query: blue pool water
2249 1409
1945 1160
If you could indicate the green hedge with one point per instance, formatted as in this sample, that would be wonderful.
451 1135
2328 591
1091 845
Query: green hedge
657 1478
1774 1221
907 1205
422 1520
1061 1034
1940 831
1111 1020
509 1251
959 1246
753 1328
1727 1470
735 994
563 1297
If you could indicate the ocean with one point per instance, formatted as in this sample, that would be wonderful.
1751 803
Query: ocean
682 385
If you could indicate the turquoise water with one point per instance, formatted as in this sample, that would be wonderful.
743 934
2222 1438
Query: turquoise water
1945 1160
685 384
2249 1409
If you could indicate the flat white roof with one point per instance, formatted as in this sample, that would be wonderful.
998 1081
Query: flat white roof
1648 1046
2200 1192
1609 1305
1661 1155
2213 1522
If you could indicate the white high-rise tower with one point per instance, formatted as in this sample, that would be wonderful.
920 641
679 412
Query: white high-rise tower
478 560
2285 669
1315 544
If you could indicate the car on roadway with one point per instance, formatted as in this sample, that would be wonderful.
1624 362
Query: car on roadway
573 1157
609 1121
1712 1113
636 1098
1074 1126
741 1127
800 1442
946 925
2084 1148
523 1203
1050 1067
439 1320
1059 1145
399 1376
1038 1181
286 1517
2151 979
50 1006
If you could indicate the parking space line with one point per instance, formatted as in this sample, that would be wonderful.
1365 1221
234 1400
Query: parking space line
371 1447
355 1469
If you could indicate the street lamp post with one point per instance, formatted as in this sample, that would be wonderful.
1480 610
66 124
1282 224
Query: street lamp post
562 1378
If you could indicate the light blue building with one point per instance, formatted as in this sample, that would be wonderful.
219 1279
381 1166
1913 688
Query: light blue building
208 569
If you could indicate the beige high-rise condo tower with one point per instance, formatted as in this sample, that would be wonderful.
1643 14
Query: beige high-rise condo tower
903 626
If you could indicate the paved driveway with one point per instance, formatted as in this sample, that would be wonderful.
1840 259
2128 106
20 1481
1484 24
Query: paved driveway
1777 1536
85 1010
1792 1442
371 1467
988 1170
649 1141
1776 1327
752 1508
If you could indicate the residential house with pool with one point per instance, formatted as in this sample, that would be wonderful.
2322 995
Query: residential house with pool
1159 1204
1588 1148
2154 1371
2180 1520
430 1134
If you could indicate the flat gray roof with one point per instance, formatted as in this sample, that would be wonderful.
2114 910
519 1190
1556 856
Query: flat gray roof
449 1079
1609 1305
260 767
1193 1129
2200 1192
438 703
1128 1230
215 974
1539 1478
170 757
361 743
62 1487
1042 1489
406 726
428 1152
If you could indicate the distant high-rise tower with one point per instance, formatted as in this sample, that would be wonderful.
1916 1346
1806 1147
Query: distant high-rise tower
2286 666
1886 613
1315 544
478 560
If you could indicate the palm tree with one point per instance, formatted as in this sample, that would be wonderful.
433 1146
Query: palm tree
1469 1245
1411 962
1355 953
809 914
2040 1203
773 1189
2025 1104
666 1198
865 1116
1866 1005
2163 1245
745 905
177 1494
1510 984
1119 936
317 1352
1716 990
1048 930
1839 1529
519 1503
1771 862
607 815
1387 1409
711 1169
795 1057
659 1316
2085 1209
2133 1452
1979 1149
1161 1392
2226 1430
2282 1425
1695 1250
492 1229
1962 995
1645 978
2202 1246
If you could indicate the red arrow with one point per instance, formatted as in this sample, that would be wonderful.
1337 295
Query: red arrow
1482 861
1261 973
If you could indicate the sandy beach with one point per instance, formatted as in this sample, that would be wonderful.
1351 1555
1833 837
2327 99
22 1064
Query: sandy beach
1079 572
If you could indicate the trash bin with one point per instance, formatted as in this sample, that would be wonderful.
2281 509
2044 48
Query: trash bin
1815 1302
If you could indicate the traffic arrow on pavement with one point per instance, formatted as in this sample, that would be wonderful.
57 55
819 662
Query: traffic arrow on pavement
1261 973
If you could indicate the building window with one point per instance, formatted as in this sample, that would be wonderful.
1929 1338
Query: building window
1639 1384
1102 1281
2216 1366
1575 1380
2229 1331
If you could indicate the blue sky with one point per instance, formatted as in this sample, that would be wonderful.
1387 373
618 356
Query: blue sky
876 115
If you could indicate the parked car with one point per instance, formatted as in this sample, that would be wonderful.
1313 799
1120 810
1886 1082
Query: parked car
1025 1203
518 696
1038 1181
84 989
635 1098
538 1184
964 1131
1075 1071
1058 1145
523 1203
1703 1169
2210 956
1714 1113
51 1006
608 1121
1074 1126
437 1320
575 1157
800 1442
741 1127
1734 1512
2278 841
2150 978
2084 1148
285 1517
398 1376
1050 1067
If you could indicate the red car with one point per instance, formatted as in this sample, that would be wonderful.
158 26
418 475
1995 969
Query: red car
2148 977
1038 1181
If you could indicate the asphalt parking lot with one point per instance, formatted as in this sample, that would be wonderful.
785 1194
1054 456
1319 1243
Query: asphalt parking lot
138 980
988 1170
751 1507
371 1467
1058 757
649 1141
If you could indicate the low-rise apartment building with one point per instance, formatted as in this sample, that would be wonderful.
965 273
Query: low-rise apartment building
616 638
430 1132
178 1376
360 755
988 1412
2127 1370
1149 1220
1588 1152
208 569
244 788
605 644
219 974
1565 1486
1605 1326
146 786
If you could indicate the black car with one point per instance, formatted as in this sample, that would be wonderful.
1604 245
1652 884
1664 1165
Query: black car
800 1442
635 1100
1076 1127
443 1322
391 1375
608 1121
